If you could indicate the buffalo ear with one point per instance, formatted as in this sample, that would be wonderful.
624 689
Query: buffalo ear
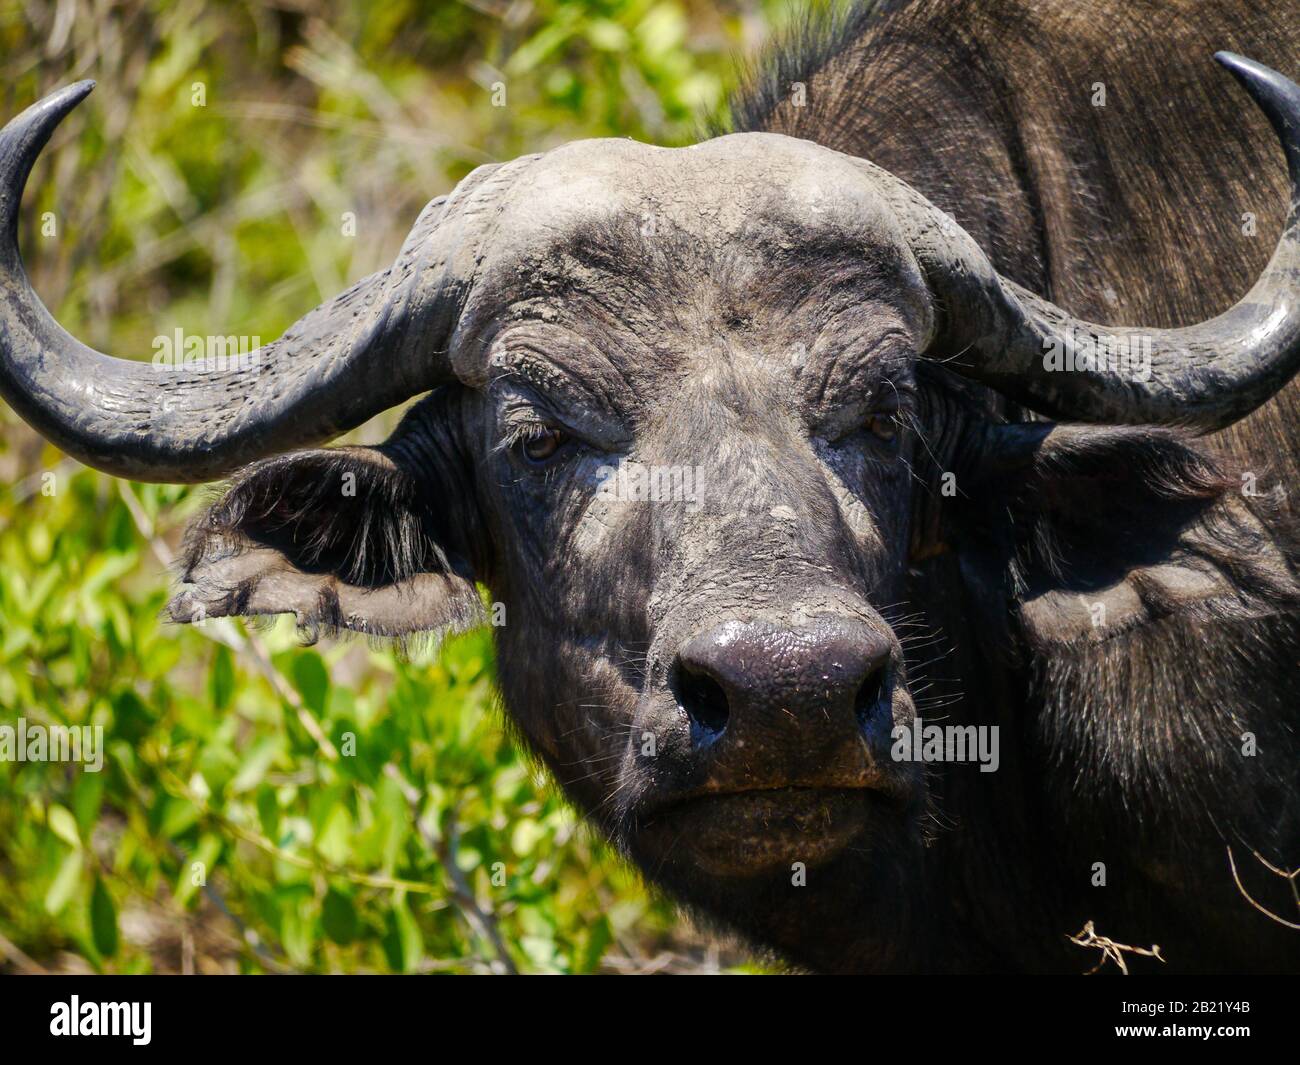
344 538
1097 530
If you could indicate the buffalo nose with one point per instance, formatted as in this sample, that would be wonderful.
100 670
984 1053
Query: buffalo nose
817 687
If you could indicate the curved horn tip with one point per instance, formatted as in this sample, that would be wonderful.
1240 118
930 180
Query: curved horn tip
23 138
53 109
77 91
30 130
1276 95
21 142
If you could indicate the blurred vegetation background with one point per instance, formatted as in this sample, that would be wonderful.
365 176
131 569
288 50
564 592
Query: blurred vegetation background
239 162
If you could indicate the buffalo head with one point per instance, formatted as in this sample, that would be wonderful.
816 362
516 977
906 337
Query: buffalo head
693 417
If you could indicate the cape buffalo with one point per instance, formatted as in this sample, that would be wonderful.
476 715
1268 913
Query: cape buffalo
809 604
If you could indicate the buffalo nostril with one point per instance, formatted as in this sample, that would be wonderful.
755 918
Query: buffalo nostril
874 696
704 701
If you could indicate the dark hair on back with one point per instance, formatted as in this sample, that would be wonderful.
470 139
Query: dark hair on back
818 33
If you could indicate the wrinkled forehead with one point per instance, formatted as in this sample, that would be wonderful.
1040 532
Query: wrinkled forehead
758 210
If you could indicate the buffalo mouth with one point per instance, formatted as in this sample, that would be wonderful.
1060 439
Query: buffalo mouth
754 832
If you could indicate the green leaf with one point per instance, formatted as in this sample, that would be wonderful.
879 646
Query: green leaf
178 816
221 683
607 36
541 952
312 680
527 834
335 839
256 761
87 795
403 944
65 884
599 936
196 870
268 812
63 825
133 719
662 30
103 919
339 917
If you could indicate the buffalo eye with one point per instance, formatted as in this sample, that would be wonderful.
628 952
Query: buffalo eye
542 444
883 427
